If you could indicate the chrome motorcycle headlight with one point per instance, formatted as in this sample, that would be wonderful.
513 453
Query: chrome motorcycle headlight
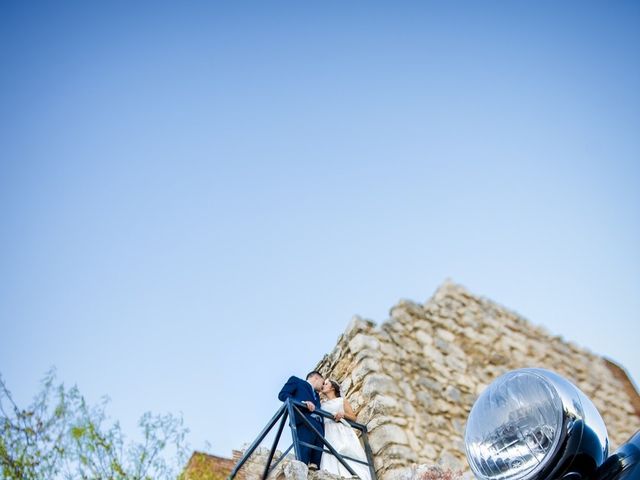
532 424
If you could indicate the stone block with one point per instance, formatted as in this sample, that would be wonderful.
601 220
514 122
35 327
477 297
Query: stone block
455 362
365 367
448 459
429 453
357 325
295 470
386 435
378 384
452 394
324 475
363 342
423 338
400 452
424 399
445 335
432 354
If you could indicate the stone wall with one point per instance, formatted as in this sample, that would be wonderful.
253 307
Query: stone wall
414 378
288 469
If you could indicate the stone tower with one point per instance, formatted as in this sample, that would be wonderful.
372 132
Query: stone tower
414 378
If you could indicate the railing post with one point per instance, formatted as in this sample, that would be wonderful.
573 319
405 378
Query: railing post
294 429
257 441
275 445
367 451
282 457
327 444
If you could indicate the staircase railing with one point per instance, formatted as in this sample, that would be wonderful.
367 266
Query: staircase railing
291 409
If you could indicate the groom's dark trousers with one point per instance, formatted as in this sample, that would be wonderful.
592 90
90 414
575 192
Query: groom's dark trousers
302 391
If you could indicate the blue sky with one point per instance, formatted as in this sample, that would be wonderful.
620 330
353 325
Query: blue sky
195 198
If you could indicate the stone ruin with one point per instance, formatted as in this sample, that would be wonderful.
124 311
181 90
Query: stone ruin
413 379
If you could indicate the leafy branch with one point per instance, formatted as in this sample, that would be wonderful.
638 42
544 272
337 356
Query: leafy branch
60 436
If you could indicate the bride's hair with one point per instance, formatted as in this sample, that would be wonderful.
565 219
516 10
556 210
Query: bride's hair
336 387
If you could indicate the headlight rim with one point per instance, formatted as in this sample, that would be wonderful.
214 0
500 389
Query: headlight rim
577 412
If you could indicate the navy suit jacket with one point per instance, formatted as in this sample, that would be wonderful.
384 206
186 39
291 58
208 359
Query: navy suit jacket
302 391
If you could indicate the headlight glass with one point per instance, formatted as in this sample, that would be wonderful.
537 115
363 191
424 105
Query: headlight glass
514 427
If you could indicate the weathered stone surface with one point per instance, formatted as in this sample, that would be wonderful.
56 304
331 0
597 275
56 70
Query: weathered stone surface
425 399
323 475
294 470
446 335
429 452
455 363
378 384
357 325
423 471
361 342
452 394
432 354
254 467
387 435
403 453
449 460
364 368
424 338
414 378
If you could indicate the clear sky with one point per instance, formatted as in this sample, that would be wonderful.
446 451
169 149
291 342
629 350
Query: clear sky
195 197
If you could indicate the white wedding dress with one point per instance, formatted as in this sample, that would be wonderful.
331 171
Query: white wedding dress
344 439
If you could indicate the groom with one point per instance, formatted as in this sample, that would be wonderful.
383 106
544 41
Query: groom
306 392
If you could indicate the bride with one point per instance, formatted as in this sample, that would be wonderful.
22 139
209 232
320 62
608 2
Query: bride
340 435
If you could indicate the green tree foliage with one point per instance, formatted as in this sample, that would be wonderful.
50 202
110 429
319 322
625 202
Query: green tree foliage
60 436
200 468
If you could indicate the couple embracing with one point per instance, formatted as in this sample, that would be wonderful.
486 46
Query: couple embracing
336 431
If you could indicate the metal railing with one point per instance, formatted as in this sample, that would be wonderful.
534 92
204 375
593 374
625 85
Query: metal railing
291 409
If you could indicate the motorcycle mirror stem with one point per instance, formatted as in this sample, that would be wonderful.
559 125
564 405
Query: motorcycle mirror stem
624 464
